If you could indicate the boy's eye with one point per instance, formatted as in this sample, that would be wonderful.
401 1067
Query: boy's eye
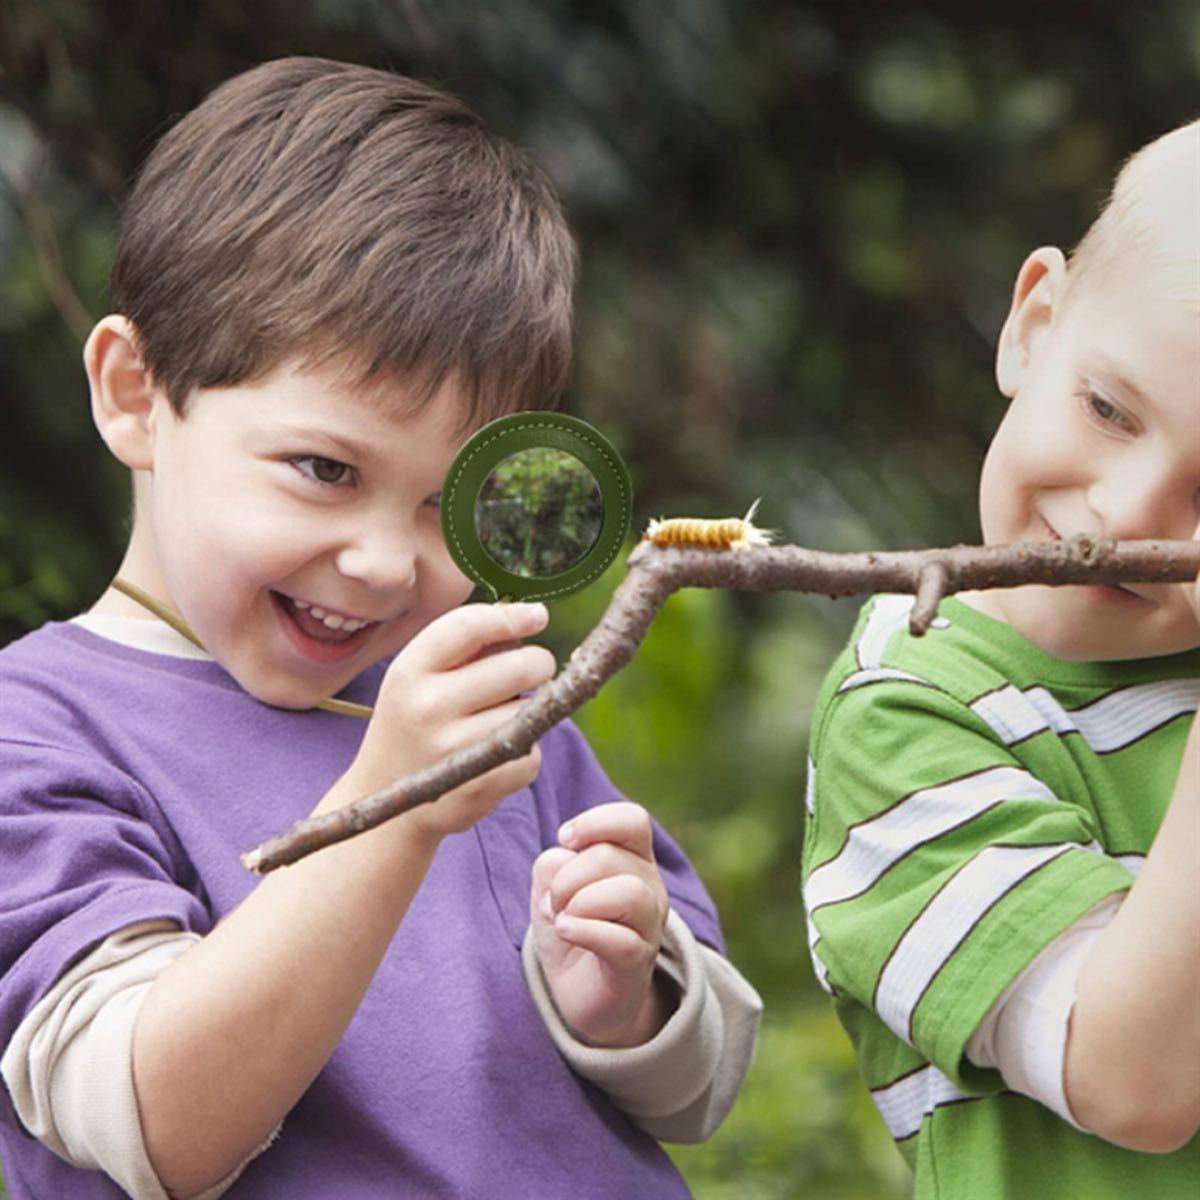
435 500
1106 412
322 470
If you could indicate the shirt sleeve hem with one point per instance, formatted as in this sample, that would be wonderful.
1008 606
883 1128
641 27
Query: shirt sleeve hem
1067 889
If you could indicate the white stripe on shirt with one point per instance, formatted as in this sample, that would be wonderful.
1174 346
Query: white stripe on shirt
819 968
877 844
889 614
1121 718
946 921
1110 723
810 793
903 1105
879 675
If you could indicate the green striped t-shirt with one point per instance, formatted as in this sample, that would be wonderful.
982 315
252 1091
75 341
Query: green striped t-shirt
969 799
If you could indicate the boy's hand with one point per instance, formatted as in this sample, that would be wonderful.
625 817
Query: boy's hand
599 908
450 687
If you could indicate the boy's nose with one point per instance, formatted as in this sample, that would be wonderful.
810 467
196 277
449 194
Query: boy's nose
384 557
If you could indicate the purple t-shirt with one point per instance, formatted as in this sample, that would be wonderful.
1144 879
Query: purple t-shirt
130 784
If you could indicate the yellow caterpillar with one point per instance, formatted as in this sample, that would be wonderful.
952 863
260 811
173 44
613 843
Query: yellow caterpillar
724 533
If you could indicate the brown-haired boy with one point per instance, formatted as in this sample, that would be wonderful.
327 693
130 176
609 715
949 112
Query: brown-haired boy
328 276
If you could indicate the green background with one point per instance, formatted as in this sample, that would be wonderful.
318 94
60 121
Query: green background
799 226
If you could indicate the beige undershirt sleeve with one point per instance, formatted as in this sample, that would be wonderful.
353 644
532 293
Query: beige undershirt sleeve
681 1084
69 1065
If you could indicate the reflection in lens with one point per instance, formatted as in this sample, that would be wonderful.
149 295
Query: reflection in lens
539 512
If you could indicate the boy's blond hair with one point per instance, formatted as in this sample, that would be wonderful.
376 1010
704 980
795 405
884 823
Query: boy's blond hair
1153 213
320 211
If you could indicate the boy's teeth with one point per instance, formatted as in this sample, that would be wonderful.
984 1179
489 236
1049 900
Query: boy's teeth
331 620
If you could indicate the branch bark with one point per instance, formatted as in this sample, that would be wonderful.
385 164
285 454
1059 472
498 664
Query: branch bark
655 573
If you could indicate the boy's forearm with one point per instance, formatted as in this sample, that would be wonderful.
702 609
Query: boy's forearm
1132 1069
233 1033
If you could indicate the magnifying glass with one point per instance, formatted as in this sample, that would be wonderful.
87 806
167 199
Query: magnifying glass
535 506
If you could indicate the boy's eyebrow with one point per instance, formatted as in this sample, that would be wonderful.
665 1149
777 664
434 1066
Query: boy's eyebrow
349 447
1117 376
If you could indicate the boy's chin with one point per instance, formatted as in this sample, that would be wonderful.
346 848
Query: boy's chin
1098 632
292 694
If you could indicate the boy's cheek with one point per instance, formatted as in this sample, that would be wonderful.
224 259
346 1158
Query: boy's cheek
453 588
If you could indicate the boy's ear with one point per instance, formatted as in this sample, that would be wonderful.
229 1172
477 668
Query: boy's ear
124 397
1038 290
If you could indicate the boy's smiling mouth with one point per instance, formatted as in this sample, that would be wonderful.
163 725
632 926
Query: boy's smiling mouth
1055 536
1108 592
323 625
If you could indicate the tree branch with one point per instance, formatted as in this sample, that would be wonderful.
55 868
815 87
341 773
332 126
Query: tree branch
655 573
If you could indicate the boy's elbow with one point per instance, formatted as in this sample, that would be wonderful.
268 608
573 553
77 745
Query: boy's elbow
1136 1086
1149 1120
1149 1135
1169 1136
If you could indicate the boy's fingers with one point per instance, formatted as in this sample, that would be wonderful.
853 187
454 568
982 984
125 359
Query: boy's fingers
496 678
606 874
604 860
459 635
494 648
545 867
488 689
622 823
622 899
618 945
476 727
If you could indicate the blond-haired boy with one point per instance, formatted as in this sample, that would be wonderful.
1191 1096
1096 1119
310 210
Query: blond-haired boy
1001 861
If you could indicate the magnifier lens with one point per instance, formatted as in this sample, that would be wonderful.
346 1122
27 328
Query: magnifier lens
539 512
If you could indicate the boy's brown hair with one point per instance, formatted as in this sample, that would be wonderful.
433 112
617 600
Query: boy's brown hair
320 211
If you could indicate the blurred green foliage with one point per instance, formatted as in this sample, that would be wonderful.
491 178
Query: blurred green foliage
799 224
539 512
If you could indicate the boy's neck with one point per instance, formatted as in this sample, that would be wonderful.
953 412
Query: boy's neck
983 602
